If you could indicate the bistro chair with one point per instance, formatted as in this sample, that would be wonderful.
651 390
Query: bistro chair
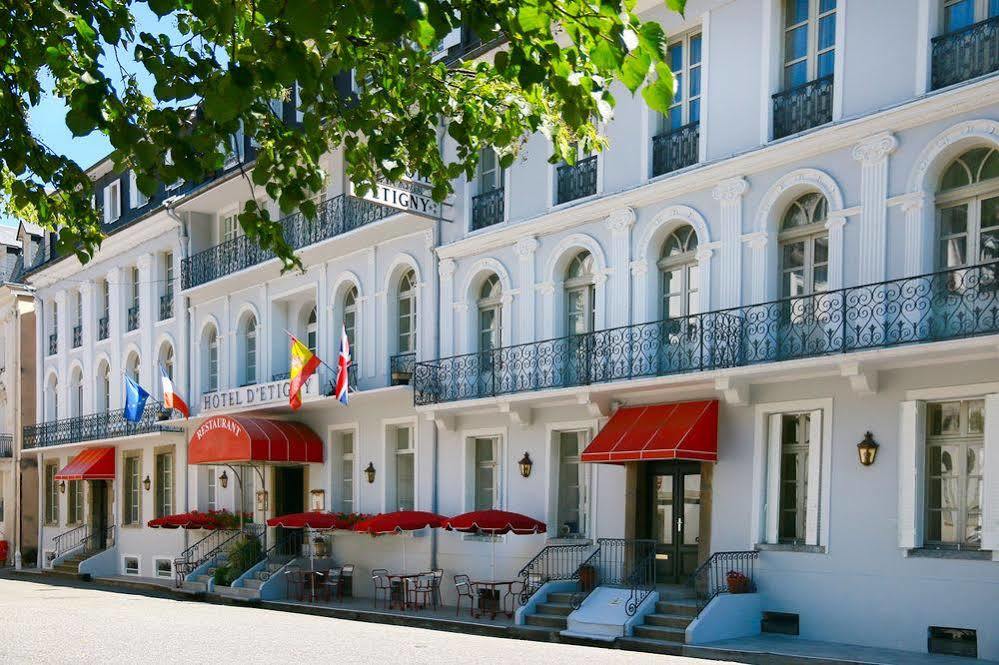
346 579
422 590
438 575
332 583
463 585
296 583
379 577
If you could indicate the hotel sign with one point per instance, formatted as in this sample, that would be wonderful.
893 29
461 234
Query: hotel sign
261 393
402 198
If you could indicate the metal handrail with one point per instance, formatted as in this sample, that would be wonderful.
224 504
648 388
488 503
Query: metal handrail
67 541
711 577
213 556
803 107
192 557
621 562
641 581
965 54
553 562
578 596
675 148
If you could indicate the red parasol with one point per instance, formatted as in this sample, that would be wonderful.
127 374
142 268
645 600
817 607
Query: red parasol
494 523
316 519
192 520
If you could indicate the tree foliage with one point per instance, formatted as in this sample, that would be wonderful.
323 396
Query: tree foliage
553 74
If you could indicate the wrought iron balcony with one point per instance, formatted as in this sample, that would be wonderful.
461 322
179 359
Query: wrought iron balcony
945 305
53 343
77 335
401 369
133 318
676 149
103 328
6 445
94 427
966 54
803 107
487 208
574 181
334 217
327 378
166 306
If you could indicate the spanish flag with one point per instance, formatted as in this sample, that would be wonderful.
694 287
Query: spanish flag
303 365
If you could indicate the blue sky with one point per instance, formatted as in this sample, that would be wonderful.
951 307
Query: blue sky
48 118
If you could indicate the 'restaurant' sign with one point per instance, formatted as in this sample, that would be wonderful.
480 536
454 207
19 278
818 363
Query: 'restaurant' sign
402 198
248 396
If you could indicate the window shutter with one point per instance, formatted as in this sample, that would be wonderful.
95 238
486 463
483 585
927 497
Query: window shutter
990 495
773 477
815 489
911 477
107 204
133 191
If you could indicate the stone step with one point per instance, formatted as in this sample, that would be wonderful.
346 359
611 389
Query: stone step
547 620
537 633
558 609
195 586
253 583
560 597
237 592
274 567
650 646
680 607
675 592
203 579
660 633
668 620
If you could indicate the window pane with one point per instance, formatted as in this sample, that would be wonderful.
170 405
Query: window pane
695 110
695 82
695 48
404 482
796 43
795 11
675 57
945 418
827 32
664 509
959 15
826 64
402 438
976 419
826 6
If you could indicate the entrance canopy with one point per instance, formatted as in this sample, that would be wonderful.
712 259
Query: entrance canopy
241 440
91 464
683 431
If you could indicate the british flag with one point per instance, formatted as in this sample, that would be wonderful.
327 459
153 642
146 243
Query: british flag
342 365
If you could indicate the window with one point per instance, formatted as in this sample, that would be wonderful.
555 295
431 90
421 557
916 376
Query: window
131 495
958 14
211 360
78 308
580 294
52 399
793 463
490 314
212 494
344 478
168 275
570 514
804 247
164 484
131 565
164 568
684 58
166 360
51 494
135 287
104 387
968 210
490 171
809 40
132 367
350 320
486 473
407 313
312 330
105 299
112 202
404 469
954 465
679 274
230 227
136 198
250 350
76 394
74 493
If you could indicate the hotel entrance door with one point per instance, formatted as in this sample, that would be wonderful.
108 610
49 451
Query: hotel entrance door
673 517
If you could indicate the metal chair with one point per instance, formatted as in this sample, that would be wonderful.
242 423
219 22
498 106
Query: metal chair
331 583
379 577
438 575
463 586
346 579
421 590
296 583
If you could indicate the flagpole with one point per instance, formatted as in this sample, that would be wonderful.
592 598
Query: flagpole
323 362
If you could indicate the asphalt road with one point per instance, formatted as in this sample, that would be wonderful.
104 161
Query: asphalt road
65 624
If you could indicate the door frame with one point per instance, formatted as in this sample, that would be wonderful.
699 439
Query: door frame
645 499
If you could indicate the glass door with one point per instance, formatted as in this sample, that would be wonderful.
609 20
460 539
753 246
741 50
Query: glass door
676 521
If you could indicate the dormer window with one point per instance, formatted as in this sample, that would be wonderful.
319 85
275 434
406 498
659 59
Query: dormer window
112 202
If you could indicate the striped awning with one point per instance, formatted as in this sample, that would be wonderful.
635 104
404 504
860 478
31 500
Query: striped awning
91 464
682 431
242 439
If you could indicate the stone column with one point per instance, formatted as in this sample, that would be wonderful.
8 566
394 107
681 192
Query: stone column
368 307
918 258
758 272
525 249
620 223
116 327
88 322
62 353
446 270
872 153
148 313
729 195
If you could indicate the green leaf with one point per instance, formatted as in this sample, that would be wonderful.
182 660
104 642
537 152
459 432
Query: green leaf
84 30
531 18
677 6
659 94
635 69
606 56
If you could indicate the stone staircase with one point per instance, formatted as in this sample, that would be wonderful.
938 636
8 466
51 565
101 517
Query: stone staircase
71 564
664 630
549 619
251 585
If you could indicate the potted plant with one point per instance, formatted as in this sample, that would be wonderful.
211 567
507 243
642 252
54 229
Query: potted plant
320 546
737 582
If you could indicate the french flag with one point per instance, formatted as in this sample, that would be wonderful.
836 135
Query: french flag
342 363
172 400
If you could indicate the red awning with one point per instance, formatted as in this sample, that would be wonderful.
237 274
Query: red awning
241 439
684 431
91 464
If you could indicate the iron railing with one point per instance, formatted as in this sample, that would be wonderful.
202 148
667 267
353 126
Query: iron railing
713 576
334 217
166 306
327 378
6 445
53 343
619 562
211 546
803 107
966 53
553 562
95 426
488 208
950 304
133 318
574 181
676 149
103 328
83 538
401 368
77 335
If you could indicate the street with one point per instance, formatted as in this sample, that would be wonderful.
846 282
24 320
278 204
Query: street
66 624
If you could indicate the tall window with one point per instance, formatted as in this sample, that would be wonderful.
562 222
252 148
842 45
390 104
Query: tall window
230 227
105 387
131 495
346 474
168 275
486 473
211 360
809 40
570 515
404 469
490 314
166 359
51 494
250 350
580 294
804 247
132 367
76 398
137 198
74 495
954 464
164 484
679 274
968 210
105 299
958 14
212 487
350 320
112 202
684 58
490 171
78 318
407 313
794 459
135 287
793 477
52 399
312 330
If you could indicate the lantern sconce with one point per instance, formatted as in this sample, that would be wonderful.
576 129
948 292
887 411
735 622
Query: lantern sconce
224 480
62 486
526 463
147 483
370 472
867 449
262 501
318 498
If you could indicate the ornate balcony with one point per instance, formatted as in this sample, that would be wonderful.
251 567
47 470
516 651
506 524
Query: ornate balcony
574 181
675 149
166 306
401 369
94 427
487 208
803 107
6 445
334 217
77 335
53 343
966 54
133 318
103 328
939 306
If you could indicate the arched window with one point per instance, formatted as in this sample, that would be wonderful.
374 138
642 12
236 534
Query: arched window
52 399
211 367
248 334
804 247
104 387
679 274
132 366
312 330
490 314
350 320
580 294
968 210
407 313
76 395
166 360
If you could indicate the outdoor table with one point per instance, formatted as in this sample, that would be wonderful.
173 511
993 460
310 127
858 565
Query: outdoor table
493 587
312 579
399 594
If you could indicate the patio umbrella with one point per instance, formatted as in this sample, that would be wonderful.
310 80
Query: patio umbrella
314 520
399 521
191 520
494 523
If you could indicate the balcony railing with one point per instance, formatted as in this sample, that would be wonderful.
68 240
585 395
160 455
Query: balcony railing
103 328
676 149
966 54
53 343
327 378
487 208
95 426
574 181
945 305
334 217
401 369
803 107
6 445
166 306
133 318
77 335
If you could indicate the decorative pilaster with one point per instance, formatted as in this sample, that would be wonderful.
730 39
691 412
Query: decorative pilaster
547 291
326 346
835 226
460 314
757 243
917 258
369 314
525 249
62 351
872 153
729 195
116 326
620 223
89 335
445 270
148 304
